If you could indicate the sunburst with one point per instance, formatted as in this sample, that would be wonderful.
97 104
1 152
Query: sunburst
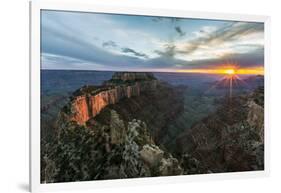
230 71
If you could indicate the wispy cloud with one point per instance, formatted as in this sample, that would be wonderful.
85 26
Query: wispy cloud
135 53
109 43
228 33
169 50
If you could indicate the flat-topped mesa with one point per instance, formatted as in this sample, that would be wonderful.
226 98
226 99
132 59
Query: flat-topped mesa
133 76
89 101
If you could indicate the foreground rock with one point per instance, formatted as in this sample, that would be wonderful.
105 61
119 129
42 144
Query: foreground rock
109 132
90 153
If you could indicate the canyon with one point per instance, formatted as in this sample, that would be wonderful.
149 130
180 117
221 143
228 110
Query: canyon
126 126
230 139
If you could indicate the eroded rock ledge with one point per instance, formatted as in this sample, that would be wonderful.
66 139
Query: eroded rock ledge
88 101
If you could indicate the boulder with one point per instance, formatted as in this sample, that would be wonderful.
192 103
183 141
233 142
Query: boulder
169 167
151 154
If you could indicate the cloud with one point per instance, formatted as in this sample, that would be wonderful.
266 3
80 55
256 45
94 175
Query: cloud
250 59
126 50
163 62
59 42
164 19
69 46
169 50
227 33
109 44
180 31
135 53
53 61
244 60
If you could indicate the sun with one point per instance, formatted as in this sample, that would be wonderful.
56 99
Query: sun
229 71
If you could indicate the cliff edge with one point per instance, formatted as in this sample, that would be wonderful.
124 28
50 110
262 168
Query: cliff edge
89 101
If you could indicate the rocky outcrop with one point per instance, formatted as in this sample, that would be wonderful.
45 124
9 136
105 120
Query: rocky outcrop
230 139
89 100
115 150
255 118
109 132
144 98
151 154
133 76
117 131
170 166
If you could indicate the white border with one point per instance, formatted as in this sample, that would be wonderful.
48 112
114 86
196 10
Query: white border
36 6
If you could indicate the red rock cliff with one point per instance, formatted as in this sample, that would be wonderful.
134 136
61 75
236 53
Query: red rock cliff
88 105
80 107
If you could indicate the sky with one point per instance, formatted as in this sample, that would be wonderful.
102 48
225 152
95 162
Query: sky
95 41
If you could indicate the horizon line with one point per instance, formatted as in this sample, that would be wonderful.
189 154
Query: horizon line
242 71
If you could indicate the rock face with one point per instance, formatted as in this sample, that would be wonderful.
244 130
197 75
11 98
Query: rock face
139 97
231 139
89 101
108 132
81 109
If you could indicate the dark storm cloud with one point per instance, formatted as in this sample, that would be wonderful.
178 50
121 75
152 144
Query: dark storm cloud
135 53
227 33
180 31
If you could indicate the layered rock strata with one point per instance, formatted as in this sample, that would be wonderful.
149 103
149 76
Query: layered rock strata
89 101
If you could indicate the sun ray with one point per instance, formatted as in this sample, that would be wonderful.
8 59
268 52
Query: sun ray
215 85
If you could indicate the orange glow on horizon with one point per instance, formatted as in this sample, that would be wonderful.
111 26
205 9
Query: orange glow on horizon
227 70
